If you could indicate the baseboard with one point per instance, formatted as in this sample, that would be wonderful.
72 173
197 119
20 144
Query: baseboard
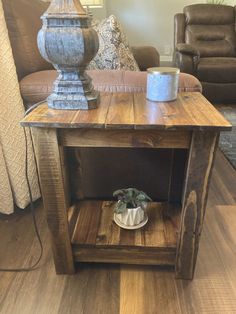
166 61
166 58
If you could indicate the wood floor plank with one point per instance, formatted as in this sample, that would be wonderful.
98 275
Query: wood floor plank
95 289
22 295
213 289
147 291
224 231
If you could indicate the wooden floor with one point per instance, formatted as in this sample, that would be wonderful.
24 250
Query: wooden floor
113 289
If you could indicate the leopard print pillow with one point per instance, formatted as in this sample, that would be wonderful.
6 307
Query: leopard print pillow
114 52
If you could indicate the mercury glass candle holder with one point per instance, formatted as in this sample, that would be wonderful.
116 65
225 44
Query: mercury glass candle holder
67 40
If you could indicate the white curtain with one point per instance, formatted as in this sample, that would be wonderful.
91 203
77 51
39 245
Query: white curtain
13 185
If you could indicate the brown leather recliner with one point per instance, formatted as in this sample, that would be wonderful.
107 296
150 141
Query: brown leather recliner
205 46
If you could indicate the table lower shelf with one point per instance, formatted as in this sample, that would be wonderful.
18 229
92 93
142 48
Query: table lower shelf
96 238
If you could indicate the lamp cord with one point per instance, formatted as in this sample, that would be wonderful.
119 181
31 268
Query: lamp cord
32 207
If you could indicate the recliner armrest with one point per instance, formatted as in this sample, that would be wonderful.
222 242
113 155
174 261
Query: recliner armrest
186 58
187 49
146 57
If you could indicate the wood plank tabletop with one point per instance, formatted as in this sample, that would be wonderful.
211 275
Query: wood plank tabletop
191 111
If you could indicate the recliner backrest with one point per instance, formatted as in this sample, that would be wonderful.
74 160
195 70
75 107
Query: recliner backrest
211 29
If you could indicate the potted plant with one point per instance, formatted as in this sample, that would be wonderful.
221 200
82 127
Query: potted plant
129 211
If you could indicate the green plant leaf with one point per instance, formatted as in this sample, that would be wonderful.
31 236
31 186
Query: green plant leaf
140 197
118 193
130 198
120 207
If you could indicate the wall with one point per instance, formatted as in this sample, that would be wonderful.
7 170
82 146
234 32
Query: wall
150 22
99 13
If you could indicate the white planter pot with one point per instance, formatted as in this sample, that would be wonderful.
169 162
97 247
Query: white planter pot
132 216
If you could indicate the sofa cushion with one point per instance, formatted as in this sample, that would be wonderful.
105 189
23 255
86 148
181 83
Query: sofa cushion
217 70
23 23
114 52
38 86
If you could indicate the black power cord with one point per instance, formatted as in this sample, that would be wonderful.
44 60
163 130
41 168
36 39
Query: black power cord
32 208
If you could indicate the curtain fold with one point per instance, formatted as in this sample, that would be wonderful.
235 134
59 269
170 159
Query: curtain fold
6 199
13 185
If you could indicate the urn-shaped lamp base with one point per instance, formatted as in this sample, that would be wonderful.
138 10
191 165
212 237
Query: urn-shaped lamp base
74 102
68 41
72 91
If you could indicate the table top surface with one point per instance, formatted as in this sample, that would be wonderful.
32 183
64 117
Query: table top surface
191 111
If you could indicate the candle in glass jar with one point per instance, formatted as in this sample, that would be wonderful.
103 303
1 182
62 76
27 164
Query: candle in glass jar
162 83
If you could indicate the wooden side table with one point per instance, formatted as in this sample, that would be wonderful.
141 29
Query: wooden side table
85 231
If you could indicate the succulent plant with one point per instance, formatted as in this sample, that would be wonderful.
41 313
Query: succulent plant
130 198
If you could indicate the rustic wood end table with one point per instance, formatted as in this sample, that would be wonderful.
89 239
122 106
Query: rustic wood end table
85 231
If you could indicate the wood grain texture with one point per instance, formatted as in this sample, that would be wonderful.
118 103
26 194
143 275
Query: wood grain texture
96 173
93 118
72 219
42 291
104 288
191 111
53 184
147 291
88 220
65 173
178 166
200 161
95 226
48 117
128 120
121 112
96 238
130 255
124 139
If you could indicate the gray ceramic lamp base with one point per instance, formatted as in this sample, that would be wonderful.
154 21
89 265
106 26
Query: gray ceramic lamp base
68 41
73 102
73 91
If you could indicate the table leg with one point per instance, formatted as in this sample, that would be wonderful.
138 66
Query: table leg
200 161
50 159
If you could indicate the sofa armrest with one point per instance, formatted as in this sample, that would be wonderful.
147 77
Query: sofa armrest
146 57
186 58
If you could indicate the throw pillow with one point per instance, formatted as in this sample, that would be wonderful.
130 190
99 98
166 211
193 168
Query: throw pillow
114 52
